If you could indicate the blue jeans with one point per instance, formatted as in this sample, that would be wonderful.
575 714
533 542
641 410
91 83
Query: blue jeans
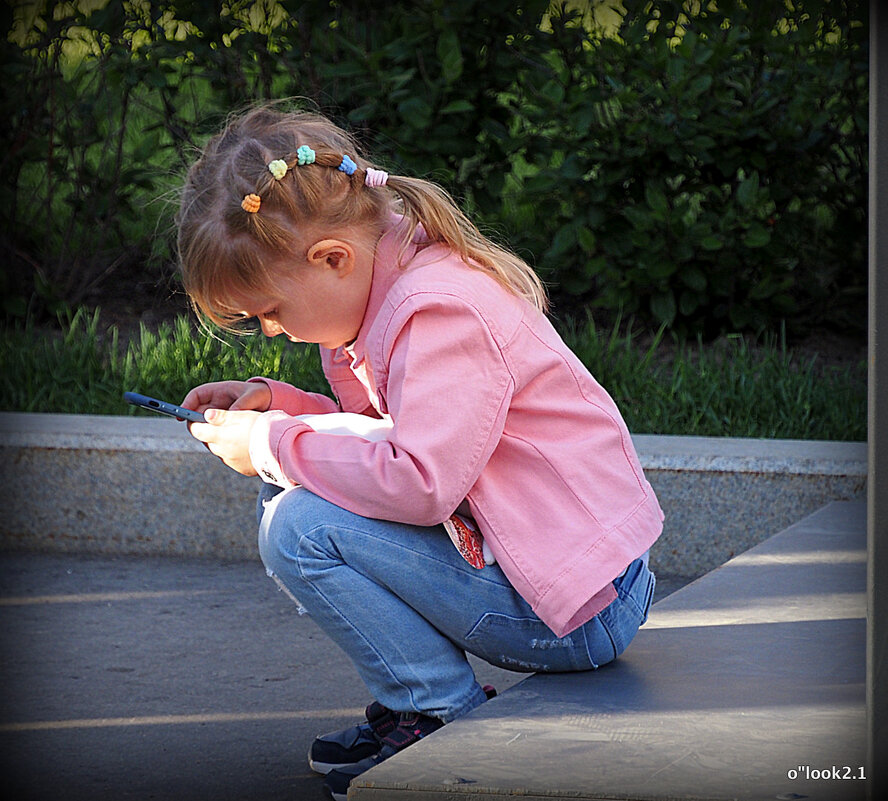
405 606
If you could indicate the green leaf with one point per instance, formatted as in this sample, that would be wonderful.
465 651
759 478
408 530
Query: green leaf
639 216
586 239
564 239
663 307
361 113
757 236
660 267
694 278
747 191
699 85
416 112
450 55
703 142
553 91
458 107
689 302
656 199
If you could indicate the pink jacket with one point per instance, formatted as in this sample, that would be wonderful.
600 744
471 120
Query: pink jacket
492 413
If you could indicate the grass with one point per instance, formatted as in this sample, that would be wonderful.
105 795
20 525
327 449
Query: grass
733 388
86 369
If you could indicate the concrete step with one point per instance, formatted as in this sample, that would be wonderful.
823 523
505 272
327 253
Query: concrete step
749 683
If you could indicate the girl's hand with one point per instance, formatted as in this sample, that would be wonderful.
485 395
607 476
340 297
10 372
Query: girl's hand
231 395
231 409
227 435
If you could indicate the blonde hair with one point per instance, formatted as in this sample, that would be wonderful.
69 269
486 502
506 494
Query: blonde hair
228 241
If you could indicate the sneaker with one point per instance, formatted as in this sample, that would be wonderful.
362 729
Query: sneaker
339 749
411 727
393 731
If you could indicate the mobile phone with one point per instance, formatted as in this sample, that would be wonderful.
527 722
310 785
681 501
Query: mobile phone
162 407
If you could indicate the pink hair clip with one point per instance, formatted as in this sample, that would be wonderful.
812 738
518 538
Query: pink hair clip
375 177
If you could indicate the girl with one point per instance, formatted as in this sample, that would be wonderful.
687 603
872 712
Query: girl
482 426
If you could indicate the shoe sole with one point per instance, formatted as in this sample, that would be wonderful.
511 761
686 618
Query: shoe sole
323 768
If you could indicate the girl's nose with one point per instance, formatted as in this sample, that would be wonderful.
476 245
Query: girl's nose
269 327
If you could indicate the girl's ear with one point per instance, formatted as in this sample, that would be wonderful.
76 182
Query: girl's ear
332 254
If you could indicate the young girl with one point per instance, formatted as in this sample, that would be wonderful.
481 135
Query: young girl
492 503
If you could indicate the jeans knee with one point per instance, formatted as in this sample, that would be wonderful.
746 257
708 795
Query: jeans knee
289 523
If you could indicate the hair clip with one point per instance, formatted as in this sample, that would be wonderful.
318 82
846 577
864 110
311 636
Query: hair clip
251 203
278 168
305 155
375 177
347 166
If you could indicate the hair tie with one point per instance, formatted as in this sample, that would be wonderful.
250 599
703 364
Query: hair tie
278 168
375 177
251 203
305 155
347 166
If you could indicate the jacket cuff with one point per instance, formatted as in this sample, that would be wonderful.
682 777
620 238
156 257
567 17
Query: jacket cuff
265 442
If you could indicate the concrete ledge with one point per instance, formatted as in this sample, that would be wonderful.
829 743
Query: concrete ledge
119 485
723 495
138 485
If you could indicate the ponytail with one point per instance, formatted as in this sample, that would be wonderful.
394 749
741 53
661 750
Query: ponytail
427 204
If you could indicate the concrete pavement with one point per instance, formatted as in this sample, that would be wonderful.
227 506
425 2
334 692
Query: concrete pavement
167 678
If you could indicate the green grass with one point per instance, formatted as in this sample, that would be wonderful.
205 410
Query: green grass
86 369
733 388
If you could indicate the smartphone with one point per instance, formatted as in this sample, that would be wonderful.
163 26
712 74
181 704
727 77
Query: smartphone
162 407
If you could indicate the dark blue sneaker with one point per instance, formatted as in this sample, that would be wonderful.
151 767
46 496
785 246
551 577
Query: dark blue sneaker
339 749
411 727
393 732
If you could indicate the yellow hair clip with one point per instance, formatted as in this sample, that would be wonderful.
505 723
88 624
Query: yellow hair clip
278 168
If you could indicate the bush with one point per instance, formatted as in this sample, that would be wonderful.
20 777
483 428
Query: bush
105 109
706 170
696 167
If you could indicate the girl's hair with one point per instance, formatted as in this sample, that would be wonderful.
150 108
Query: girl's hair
228 242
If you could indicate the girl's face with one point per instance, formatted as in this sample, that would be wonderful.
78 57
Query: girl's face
322 300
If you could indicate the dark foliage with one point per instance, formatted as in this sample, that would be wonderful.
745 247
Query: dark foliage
705 169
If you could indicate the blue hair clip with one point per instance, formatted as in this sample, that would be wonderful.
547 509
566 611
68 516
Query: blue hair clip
347 166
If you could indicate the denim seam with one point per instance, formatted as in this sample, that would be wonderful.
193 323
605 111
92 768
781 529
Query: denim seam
607 629
467 705
313 588
583 630
425 555
628 597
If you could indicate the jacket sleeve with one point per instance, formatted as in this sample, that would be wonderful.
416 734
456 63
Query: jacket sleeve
447 389
292 400
351 396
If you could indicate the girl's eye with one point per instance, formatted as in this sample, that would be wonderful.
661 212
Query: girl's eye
271 314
